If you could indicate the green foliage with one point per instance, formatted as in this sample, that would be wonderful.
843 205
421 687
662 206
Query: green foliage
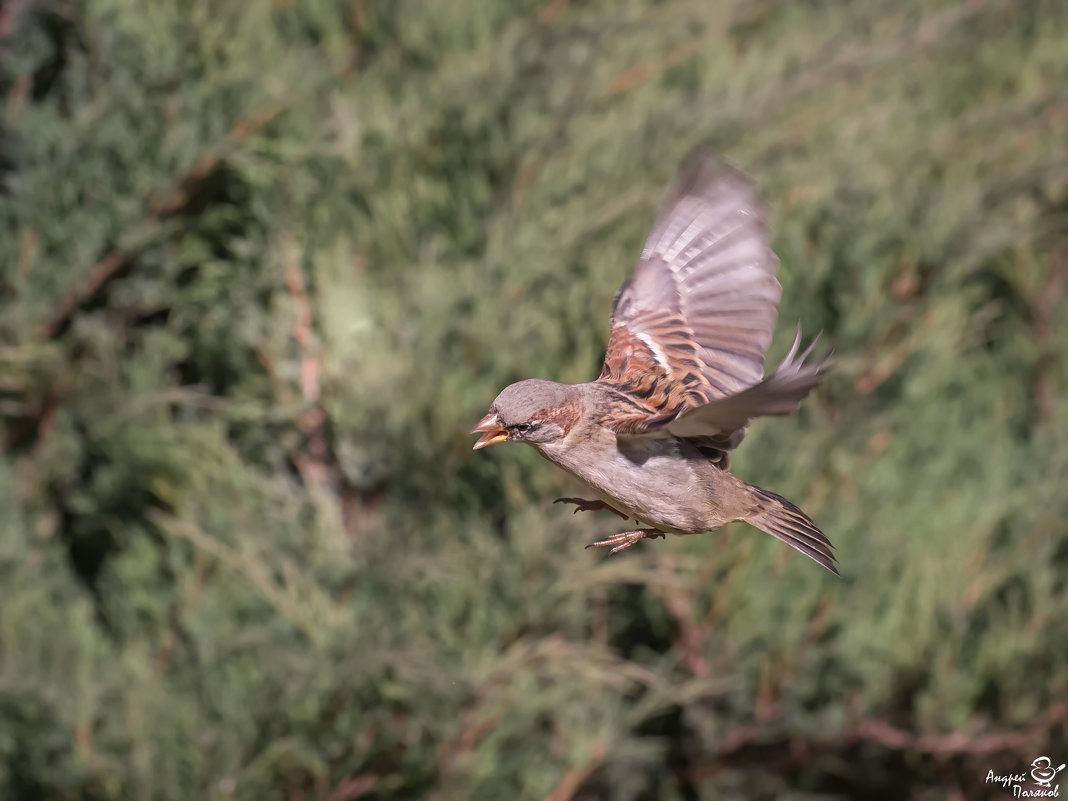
265 264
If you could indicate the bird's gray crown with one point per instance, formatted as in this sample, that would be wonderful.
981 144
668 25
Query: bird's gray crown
522 401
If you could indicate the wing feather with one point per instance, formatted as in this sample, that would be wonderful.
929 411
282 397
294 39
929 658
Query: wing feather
693 324
722 423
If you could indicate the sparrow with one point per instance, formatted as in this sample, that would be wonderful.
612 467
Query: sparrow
683 377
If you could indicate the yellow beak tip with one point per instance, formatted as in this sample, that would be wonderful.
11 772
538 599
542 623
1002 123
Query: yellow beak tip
490 438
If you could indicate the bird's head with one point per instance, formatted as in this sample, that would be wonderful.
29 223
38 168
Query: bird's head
533 411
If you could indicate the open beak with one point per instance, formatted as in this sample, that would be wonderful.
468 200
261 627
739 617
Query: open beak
490 429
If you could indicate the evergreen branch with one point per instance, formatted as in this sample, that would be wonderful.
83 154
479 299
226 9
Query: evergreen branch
865 54
858 55
257 574
166 205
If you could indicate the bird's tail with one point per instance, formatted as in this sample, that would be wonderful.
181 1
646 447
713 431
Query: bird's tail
784 521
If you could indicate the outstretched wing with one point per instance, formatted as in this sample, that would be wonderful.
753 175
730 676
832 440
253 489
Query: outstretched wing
722 423
693 323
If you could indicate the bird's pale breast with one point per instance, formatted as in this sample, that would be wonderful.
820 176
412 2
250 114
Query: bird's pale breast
646 478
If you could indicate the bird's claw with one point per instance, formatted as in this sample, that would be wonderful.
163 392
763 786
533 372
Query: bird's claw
584 505
626 538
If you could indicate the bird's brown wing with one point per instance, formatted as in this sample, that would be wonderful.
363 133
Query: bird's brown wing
723 422
693 323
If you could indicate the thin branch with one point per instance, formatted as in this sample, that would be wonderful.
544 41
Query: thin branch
105 269
354 787
799 751
889 361
553 11
1040 319
689 643
891 737
311 420
574 778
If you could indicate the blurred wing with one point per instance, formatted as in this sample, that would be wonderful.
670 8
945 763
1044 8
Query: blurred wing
722 423
693 323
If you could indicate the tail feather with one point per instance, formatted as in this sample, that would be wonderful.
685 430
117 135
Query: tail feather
784 521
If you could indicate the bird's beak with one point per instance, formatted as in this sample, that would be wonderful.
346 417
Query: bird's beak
490 429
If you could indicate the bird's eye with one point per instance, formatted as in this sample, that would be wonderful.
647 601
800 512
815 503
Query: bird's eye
523 428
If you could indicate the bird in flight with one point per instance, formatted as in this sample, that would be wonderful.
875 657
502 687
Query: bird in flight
683 377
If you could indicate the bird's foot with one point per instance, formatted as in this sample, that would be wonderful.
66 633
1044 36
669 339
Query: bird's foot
627 538
583 505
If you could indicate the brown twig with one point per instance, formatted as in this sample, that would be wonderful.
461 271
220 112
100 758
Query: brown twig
353 787
891 737
573 779
889 361
689 643
643 71
357 19
453 752
800 750
27 250
312 461
1040 320
105 269
40 420
190 596
553 11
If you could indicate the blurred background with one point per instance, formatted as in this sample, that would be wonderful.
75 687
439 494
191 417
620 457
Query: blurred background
263 265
